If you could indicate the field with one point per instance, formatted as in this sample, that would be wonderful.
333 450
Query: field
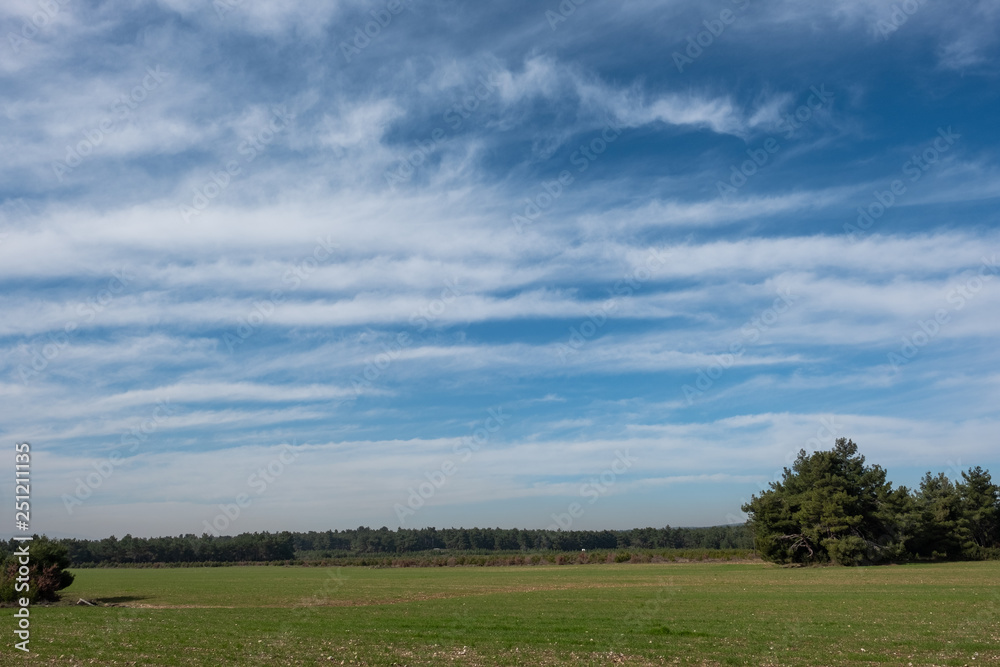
651 614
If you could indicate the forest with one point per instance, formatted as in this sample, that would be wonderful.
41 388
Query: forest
283 546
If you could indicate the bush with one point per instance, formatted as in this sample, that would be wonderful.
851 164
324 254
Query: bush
47 573
849 550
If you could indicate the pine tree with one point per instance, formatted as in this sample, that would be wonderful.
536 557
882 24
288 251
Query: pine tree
943 529
829 506
980 502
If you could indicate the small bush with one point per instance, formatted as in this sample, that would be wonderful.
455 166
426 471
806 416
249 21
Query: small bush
47 573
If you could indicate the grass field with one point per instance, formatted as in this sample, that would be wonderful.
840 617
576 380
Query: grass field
690 613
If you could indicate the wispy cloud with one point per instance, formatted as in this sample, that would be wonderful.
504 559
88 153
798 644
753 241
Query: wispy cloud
426 306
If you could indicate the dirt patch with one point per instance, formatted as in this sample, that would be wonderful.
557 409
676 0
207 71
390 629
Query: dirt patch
417 597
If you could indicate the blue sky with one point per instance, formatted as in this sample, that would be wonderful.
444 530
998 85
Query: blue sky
434 263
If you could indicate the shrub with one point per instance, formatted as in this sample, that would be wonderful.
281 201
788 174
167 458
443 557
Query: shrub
47 573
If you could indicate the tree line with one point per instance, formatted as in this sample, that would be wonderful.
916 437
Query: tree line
832 507
283 546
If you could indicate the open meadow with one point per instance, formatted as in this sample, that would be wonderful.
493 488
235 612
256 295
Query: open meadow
649 614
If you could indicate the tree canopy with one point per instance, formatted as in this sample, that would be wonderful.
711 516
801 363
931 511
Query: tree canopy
832 507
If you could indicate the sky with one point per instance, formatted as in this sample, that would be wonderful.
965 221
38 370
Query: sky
314 265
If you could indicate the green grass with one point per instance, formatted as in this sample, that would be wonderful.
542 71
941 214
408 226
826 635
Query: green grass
690 613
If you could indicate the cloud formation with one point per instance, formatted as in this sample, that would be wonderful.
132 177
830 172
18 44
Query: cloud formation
364 233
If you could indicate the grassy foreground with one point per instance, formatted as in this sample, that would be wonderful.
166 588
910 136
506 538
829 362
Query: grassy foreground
702 614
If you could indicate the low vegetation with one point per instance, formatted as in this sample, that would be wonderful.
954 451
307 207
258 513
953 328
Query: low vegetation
446 558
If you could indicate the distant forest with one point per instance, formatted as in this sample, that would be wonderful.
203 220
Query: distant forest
285 546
